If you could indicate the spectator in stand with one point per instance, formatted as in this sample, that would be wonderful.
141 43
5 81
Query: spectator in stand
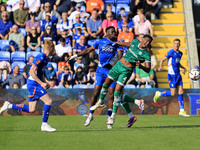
80 77
64 6
33 6
81 45
49 72
5 26
54 58
91 77
5 69
52 84
144 26
136 18
47 8
152 4
84 15
33 40
95 4
63 48
76 37
67 37
48 21
66 77
14 78
119 17
27 67
16 40
109 9
124 20
109 21
15 86
91 61
52 4
94 26
64 24
132 79
15 4
77 23
79 63
48 35
135 5
144 78
125 36
2 9
33 22
21 15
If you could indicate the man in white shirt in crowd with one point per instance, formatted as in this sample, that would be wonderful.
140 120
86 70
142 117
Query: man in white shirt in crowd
63 48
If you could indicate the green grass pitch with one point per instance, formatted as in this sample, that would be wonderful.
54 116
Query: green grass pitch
150 132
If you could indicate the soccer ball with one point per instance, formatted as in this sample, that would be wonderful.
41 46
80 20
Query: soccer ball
194 74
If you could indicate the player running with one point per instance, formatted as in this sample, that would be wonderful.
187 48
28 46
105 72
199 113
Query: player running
36 88
109 53
121 72
174 76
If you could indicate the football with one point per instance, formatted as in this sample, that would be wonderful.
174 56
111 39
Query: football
194 74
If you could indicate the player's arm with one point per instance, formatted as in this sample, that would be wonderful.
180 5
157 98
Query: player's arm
161 63
146 68
35 77
84 52
127 44
181 66
119 56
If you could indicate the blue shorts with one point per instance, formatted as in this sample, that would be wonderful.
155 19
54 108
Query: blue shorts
175 80
101 74
35 90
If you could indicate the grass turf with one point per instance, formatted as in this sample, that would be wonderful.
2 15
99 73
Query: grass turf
149 132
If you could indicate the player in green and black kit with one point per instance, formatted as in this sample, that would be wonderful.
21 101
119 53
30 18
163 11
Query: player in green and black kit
122 71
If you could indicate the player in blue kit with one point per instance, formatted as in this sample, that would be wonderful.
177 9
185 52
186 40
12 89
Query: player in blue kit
174 77
36 87
109 54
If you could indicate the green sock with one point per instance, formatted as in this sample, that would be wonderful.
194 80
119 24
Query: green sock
126 107
104 91
127 98
117 100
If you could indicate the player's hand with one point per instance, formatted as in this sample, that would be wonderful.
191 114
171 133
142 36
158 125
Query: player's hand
160 68
45 85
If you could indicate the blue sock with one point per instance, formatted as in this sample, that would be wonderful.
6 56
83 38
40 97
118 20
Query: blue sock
166 93
21 107
109 112
91 111
46 110
180 100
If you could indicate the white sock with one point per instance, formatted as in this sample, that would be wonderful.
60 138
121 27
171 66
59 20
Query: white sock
137 102
113 115
10 106
44 123
130 115
181 109
100 101
90 115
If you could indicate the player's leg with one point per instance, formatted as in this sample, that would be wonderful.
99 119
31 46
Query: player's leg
94 98
46 110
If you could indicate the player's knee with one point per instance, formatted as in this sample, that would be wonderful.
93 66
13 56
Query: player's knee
31 110
181 92
173 94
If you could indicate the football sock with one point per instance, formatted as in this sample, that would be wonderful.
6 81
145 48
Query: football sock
103 92
117 100
130 115
166 93
127 98
126 107
20 107
46 110
109 112
181 102
91 111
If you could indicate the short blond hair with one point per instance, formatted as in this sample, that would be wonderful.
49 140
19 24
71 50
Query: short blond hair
48 44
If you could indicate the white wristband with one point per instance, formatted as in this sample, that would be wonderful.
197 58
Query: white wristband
74 56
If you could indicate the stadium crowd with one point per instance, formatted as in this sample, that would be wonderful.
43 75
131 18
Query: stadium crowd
72 26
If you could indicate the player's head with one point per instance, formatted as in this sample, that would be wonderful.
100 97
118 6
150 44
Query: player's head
177 43
146 41
49 48
111 33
